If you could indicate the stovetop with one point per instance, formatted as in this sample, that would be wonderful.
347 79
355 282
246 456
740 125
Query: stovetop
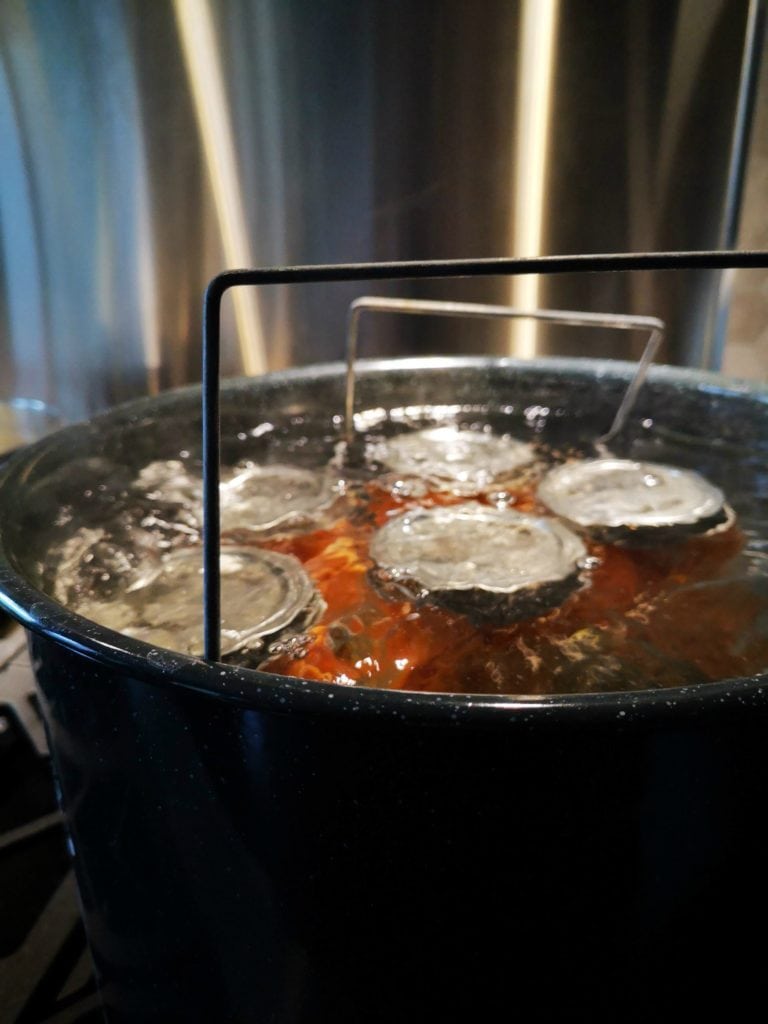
45 967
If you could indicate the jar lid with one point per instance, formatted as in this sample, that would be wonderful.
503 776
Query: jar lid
495 563
262 593
263 497
253 496
623 500
471 459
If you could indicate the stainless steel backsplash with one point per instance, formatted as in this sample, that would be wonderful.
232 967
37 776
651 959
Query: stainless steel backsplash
146 146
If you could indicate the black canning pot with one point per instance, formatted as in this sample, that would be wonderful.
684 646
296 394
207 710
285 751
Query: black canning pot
257 848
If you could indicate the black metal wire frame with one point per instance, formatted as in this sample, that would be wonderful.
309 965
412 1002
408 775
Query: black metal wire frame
545 265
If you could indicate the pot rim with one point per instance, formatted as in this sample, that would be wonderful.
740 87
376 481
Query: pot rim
43 616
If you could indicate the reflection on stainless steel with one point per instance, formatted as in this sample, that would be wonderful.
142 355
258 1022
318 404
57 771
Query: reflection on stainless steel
536 71
744 116
23 420
148 146
206 81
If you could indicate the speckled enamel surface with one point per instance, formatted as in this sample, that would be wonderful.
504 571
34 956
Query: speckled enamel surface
253 848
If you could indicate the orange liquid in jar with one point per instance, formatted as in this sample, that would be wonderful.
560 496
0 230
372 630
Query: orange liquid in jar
644 618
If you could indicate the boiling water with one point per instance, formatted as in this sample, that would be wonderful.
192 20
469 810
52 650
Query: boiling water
683 612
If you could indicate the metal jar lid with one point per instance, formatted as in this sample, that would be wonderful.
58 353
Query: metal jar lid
487 562
253 497
633 502
263 592
263 498
468 459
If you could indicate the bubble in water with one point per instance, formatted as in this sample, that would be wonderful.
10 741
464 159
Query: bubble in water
501 499
590 562
294 645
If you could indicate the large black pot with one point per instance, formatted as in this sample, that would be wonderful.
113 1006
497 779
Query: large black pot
257 848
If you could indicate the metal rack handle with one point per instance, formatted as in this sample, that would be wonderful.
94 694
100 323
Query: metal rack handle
219 285
483 311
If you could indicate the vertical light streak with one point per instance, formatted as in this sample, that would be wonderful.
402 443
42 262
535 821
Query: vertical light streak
203 65
27 371
714 349
533 113
147 292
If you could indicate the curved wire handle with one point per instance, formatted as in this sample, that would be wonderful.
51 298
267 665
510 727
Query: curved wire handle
482 311
220 284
